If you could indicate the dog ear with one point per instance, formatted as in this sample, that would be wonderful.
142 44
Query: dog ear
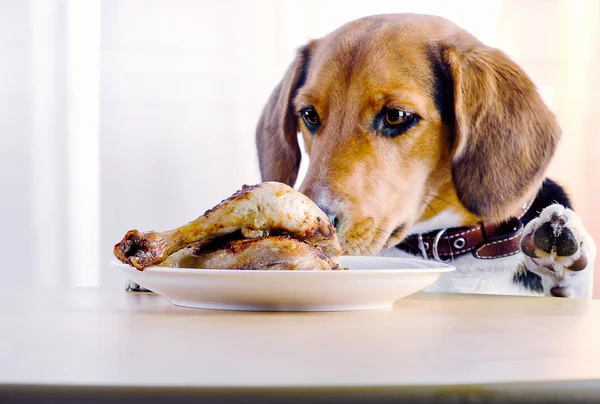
505 135
277 130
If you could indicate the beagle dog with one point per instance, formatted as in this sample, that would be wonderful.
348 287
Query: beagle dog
423 141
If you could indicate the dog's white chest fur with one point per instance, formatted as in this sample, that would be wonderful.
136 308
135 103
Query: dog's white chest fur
473 275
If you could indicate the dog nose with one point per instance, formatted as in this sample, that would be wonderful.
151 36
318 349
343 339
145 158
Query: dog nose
333 218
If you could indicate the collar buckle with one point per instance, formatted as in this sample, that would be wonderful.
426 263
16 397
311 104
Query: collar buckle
436 242
423 246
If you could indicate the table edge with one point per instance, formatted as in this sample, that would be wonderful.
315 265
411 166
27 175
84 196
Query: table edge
545 391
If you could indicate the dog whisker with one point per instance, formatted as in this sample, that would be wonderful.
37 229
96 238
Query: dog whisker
431 207
443 200
375 240
354 246
383 231
368 247
387 235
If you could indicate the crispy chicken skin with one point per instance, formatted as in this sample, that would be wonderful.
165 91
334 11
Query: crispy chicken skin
263 210
268 253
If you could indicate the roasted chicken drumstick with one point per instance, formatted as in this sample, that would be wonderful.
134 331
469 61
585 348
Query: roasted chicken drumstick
274 253
267 209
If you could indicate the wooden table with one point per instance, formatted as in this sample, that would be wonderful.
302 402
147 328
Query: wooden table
94 345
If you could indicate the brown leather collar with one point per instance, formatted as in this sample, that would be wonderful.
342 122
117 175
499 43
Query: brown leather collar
483 240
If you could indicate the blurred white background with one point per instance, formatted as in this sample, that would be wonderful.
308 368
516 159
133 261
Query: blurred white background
119 114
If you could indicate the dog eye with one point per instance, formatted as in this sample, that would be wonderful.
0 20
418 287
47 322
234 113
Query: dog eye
310 118
395 117
392 122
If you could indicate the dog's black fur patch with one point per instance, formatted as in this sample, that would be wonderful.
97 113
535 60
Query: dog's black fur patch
549 193
528 279
443 88
305 52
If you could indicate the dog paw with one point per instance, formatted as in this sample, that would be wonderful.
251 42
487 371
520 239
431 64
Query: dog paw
558 248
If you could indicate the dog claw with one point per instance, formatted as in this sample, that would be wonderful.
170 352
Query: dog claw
562 219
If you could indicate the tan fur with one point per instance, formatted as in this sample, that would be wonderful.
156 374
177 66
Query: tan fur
480 150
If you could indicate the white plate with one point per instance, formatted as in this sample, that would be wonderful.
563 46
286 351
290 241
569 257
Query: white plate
368 283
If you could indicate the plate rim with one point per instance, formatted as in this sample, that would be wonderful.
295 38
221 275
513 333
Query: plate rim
432 267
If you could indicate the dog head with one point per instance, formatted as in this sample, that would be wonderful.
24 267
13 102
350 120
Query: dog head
406 119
